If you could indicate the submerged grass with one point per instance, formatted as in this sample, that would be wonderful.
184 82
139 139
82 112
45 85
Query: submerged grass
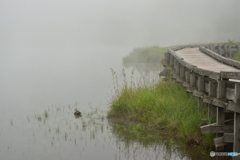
164 106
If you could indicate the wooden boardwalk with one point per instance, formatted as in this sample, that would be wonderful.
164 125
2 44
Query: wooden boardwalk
215 80
200 59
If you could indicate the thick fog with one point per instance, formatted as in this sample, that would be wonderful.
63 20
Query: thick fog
62 50
117 23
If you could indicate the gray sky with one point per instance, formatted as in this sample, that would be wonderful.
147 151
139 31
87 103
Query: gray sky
118 22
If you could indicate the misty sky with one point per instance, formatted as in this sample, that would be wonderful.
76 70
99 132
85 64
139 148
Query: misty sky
117 22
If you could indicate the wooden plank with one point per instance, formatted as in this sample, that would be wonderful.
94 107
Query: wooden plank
237 94
221 89
192 79
187 76
171 60
228 137
211 53
182 73
230 94
221 141
230 75
236 137
233 107
206 86
198 94
214 128
214 101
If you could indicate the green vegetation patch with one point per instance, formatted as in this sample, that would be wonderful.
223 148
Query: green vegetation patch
145 54
236 56
164 106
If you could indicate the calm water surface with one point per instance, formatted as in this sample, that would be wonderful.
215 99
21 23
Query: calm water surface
40 88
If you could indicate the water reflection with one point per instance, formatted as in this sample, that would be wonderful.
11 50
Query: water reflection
54 132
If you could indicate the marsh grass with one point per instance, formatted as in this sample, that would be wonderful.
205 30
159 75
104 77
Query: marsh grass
236 56
145 54
162 105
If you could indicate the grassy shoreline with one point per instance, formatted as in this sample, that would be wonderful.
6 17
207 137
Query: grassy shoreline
162 106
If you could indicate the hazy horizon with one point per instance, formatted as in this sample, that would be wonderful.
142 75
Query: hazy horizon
117 23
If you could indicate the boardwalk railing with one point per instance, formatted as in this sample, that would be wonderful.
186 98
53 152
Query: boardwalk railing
224 49
220 90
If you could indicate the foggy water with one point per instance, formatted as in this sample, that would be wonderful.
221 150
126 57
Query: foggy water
56 56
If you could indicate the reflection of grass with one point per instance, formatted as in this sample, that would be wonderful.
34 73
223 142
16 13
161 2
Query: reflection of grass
45 114
39 118
163 104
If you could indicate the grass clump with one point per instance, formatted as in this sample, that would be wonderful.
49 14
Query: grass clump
163 106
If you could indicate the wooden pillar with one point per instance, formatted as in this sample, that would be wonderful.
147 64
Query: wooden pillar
171 60
212 108
201 88
236 130
230 52
192 79
188 77
221 94
220 51
177 69
175 65
167 57
182 73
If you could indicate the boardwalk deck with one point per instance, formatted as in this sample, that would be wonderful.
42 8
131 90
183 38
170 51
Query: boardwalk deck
197 58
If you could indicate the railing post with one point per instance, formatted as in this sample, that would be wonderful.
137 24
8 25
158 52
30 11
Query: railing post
192 79
212 108
221 94
236 130
182 73
201 88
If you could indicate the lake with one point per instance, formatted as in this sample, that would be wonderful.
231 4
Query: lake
40 88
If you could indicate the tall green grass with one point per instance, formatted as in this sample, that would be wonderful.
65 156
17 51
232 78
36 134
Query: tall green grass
161 104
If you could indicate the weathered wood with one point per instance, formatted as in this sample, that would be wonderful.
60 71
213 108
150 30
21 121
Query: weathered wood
206 86
221 89
182 73
231 106
187 76
192 79
230 94
230 75
214 128
214 101
228 137
177 68
219 141
200 103
236 139
213 85
237 94
171 60
201 84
